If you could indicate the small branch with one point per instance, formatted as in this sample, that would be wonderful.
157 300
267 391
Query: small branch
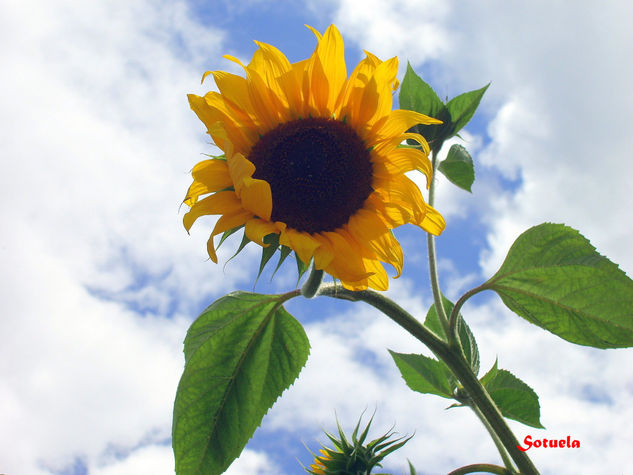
452 321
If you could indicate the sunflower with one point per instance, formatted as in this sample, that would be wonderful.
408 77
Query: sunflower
313 161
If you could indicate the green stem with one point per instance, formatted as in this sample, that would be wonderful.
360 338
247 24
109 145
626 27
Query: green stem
481 467
502 451
454 360
435 280
452 321
311 287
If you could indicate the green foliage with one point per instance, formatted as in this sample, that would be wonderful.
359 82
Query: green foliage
554 278
355 458
458 167
515 399
411 469
417 95
425 375
465 335
462 108
241 353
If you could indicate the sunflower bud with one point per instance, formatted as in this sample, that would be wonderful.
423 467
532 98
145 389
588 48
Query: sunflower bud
354 458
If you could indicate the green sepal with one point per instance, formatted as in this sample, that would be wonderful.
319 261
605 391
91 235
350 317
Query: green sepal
355 457
465 335
554 278
425 375
241 354
283 253
515 399
215 157
228 233
267 252
302 267
245 241
458 167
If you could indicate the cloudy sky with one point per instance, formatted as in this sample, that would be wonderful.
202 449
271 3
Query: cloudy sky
99 280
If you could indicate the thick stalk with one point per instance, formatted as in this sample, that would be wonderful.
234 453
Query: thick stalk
453 359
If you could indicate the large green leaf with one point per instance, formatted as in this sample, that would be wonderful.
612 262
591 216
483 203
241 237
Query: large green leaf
466 337
554 278
515 399
425 375
458 167
241 353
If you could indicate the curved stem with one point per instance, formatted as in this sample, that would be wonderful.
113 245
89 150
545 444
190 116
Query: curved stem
481 467
454 360
311 287
502 451
435 280
452 321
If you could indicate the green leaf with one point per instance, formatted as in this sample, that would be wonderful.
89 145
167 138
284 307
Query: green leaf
411 469
466 337
241 353
458 167
417 95
425 375
515 399
462 108
554 278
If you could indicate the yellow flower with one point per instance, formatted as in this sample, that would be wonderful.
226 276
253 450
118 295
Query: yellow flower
313 157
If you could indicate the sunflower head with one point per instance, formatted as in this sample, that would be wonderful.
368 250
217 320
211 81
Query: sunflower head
313 161
354 457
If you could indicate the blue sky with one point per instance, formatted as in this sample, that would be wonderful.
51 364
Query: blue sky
100 280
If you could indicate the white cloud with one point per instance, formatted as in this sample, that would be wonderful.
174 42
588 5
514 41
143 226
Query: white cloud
97 144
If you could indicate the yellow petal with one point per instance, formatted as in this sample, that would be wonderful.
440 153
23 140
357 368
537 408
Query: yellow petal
433 221
223 202
257 197
269 62
403 160
399 121
209 117
331 52
347 264
257 229
209 176
240 168
302 243
367 228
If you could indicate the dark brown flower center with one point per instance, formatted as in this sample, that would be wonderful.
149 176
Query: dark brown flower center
319 170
